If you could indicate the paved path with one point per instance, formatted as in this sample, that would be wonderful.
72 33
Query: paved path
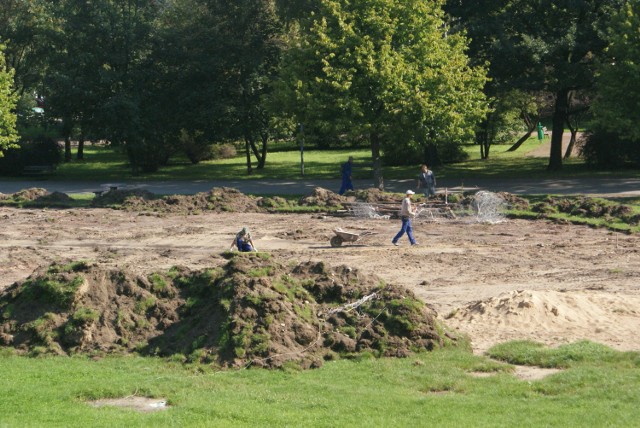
586 186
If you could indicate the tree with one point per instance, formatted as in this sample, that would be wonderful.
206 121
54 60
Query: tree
217 59
382 69
617 104
546 45
8 101
509 112
73 83
128 114
24 28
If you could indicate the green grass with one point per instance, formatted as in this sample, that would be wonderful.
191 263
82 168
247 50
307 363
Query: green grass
110 164
431 389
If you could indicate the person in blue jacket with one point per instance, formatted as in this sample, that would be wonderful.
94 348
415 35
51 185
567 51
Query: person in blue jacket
243 241
346 176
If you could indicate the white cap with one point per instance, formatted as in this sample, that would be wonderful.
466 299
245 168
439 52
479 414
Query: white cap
410 192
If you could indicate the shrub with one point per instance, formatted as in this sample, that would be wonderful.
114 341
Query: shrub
607 150
223 151
37 151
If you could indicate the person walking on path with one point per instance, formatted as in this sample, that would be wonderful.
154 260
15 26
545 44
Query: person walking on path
345 170
407 212
243 242
427 181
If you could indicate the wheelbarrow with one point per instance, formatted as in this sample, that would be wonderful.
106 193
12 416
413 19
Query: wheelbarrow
344 236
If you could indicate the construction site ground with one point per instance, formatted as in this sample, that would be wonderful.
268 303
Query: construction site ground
514 279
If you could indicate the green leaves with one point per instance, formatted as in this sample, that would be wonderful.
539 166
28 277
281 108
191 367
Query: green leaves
385 69
618 79
8 101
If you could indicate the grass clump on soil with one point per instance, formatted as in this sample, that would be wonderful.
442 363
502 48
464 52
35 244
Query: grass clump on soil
617 214
252 311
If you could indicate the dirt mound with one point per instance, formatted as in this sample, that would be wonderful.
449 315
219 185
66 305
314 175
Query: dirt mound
217 199
79 307
586 207
324 198
53 199
254 310
374 195
119 197
514 201
30 194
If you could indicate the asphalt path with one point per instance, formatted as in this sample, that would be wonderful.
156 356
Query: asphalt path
620 187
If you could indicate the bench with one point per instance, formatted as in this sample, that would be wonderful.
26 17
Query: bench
38 169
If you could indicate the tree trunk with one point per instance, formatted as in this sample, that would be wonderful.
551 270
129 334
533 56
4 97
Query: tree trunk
482 138
67 148
248 151
574 134
263 159
378 181
559 115
572 142
531 126
67 128
80 153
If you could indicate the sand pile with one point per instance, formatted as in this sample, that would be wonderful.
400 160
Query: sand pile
550 317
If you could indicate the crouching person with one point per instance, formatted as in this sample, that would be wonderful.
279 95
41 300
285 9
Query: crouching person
243 242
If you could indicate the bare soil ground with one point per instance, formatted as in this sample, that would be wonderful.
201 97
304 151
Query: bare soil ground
517 279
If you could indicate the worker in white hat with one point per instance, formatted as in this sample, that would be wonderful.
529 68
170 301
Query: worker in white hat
407 212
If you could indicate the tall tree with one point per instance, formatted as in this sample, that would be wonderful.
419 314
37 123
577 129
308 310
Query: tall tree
217 58
545 45
618 82
25 28
8 100
382 69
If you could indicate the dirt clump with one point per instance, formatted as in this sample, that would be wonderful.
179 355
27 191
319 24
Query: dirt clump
373 195
30 194
586 207
324 198
120 197
252 311
83 308
55 199
218 199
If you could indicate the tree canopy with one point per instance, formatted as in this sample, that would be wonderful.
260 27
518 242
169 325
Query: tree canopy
384 70
404 77
618 79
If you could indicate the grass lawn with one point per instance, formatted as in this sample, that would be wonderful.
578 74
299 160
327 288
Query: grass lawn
598 387
110 164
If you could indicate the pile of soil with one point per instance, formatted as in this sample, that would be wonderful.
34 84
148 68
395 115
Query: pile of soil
323 198
252 311
374 195
218 199
587 207
30 194
120 197
55 199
